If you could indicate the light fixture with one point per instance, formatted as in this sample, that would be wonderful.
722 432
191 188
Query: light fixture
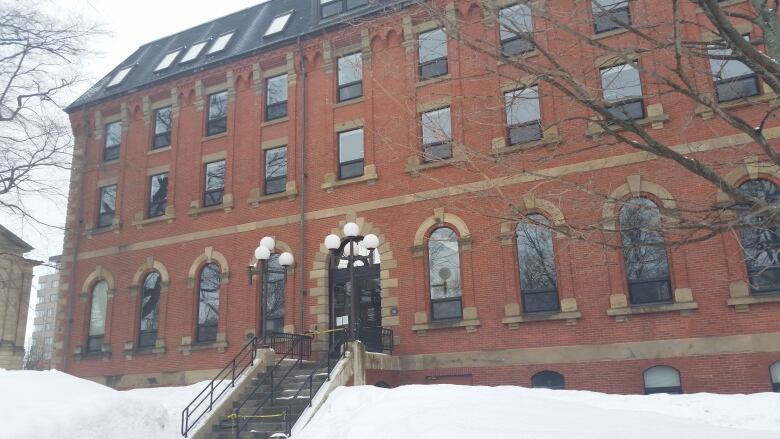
351 230
262 253
332 242
286 259
268 243
371 241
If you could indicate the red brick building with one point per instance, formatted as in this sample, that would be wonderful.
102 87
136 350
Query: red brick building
291 118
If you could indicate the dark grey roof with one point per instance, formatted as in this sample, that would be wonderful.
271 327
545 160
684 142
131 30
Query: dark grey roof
250 24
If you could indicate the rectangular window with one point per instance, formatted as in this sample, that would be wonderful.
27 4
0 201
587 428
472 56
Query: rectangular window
162 128
113 140
107 206
52 297
516 29
351 154
610 14
193 52
350 77
167 60
50 326
119 77
220 43
622 88
329 8
523 117
432 54
275 170
437 134
276 97
217 113
158 195
49 312
214 185
733 79
278 24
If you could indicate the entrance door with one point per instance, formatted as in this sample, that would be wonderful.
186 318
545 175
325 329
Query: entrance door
370 311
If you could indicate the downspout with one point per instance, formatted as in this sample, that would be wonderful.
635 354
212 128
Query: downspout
302 190
76 231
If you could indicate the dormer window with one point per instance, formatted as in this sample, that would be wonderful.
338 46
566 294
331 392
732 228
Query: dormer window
220 43
193 52
279 23
119 77
167 60
329 8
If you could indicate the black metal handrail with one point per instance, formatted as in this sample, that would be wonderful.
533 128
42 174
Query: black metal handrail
370 335
196 409
296 345
337 346
288 343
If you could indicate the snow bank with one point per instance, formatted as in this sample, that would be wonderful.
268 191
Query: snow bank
53 404
464 412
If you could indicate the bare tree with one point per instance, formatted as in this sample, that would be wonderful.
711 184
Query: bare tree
38 61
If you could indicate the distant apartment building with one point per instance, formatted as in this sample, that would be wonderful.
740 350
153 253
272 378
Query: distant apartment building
45 319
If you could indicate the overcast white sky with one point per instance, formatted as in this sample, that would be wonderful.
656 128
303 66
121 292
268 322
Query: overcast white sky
129 24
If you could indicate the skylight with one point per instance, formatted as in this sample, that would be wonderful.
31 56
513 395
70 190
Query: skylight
119 77
220 43
193 52
167 60
278 24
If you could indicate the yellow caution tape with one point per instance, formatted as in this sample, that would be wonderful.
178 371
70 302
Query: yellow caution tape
234 416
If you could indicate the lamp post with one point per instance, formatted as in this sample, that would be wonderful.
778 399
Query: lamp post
263 254
347 249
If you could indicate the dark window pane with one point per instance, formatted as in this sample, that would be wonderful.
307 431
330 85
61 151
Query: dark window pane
633 109
150 308
274 279
113 140
761 239
162 128
525 133
548 380
350 169
158 195
275 170
432 69
107 206
352 4
774 373
736 88
662 379
331 8
350 91
733 78
208 302
217 113
516 27
446 309
536 256
610 14
437 151
276 97
516 46
94 343
214 184
436 134
644 253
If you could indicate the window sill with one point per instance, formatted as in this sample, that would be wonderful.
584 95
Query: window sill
570 318
103 354
255 199
620 314
414 165
91 230
470 325
430 81
656 118
220 346
275 121
158 349
706 113
742 304
349 102
549 140
214 136
227 206
159 150
108 163
609 33
525 55
369 177
140 221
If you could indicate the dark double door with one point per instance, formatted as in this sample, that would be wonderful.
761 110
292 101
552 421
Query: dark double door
370 304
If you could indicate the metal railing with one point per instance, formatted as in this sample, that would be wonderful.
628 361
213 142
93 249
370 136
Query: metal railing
204 402
377 339
330 359
298 346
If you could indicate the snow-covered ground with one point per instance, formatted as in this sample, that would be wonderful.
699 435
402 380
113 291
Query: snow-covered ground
56 405
462 412
53 404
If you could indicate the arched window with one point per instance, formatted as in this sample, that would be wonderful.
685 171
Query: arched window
774 372
762 241
644 253
97 316
274 278
444 274
538 283
150 310
662 379
548 380
208 302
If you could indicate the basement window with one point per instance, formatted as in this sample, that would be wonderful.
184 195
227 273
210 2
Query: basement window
279 23
220 43
193 52
167 60
119 77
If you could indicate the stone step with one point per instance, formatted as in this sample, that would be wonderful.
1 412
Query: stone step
242 435
259 425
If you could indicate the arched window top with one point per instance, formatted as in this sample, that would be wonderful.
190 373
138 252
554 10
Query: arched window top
762 189
774 372
662 379
152 281
444 274
548 380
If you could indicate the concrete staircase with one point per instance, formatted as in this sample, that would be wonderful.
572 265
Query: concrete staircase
269 419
